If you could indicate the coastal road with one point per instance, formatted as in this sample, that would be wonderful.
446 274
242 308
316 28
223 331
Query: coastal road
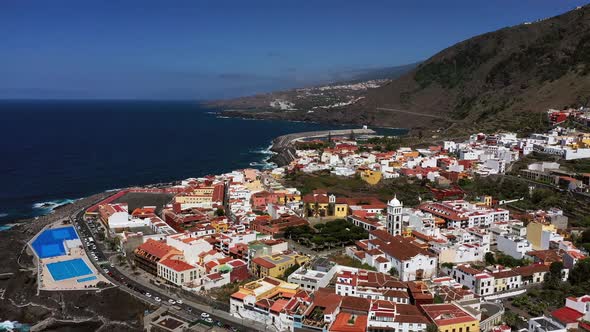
128 281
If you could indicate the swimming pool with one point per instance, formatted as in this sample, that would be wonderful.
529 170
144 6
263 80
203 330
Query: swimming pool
68 269
87 279
50 242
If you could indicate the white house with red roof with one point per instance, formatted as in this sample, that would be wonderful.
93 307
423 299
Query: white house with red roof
190 245
575 313
177 271
480 281
411 261
391 316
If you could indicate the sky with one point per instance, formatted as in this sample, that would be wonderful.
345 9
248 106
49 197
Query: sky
143 49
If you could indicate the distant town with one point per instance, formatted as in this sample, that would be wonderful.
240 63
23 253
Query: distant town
356 232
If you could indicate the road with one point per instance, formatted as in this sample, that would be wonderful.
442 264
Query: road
412 113
139 287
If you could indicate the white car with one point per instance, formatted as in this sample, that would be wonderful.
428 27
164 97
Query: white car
205 315
148 294
208 320
157 299
171 301
179 301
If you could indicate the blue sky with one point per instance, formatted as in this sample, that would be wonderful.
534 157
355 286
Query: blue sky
212 49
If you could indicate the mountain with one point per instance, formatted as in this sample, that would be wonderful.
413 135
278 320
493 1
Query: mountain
384 73
500 80
352 85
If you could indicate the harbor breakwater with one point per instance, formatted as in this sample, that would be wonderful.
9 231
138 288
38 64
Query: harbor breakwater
284 150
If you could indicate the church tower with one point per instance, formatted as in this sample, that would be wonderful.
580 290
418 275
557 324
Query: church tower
394 216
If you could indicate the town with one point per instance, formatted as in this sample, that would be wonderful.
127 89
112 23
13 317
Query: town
356 233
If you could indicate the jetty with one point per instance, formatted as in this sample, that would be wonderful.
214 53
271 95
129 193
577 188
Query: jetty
283 145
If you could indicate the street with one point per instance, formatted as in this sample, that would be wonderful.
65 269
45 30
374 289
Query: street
134 284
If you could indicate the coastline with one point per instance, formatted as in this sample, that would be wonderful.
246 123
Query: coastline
22 304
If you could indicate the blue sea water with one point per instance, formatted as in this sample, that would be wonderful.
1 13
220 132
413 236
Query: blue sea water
53 152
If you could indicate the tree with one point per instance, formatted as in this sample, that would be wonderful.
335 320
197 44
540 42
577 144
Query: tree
289 271
431 328
393 272
448 265
220 212
511 319
579 274
555 270
490 259
438 299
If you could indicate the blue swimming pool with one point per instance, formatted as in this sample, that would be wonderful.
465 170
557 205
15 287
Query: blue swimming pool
50 243
87 279
68 269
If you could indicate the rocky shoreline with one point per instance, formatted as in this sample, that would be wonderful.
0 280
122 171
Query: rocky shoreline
57 311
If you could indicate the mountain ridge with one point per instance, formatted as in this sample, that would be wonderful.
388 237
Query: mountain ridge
500 80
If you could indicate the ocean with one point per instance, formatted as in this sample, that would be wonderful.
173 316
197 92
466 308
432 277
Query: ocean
54 152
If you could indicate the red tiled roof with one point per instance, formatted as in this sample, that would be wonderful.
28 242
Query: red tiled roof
397 246
355 303
214 276
278 305
446 314
342 323
505 274
529 270
176 265
263 262
566 315
155 248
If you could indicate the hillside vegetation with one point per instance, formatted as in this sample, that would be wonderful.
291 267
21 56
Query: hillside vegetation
499 80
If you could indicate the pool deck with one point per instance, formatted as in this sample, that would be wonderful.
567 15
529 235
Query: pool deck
45 280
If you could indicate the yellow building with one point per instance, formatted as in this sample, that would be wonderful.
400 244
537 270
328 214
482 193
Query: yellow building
534 233
449 317
276 265
193 199
411 154
370 176
220 225
203 196
320 204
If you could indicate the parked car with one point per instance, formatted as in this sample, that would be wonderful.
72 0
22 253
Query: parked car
205 315
171 301
157 299
179 301
148 294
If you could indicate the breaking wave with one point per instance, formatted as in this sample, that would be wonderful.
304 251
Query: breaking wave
49 206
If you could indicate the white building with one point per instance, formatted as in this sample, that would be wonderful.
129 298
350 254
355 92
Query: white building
190 245
314 275
177 271
480 282
545 324
513 245
410 260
